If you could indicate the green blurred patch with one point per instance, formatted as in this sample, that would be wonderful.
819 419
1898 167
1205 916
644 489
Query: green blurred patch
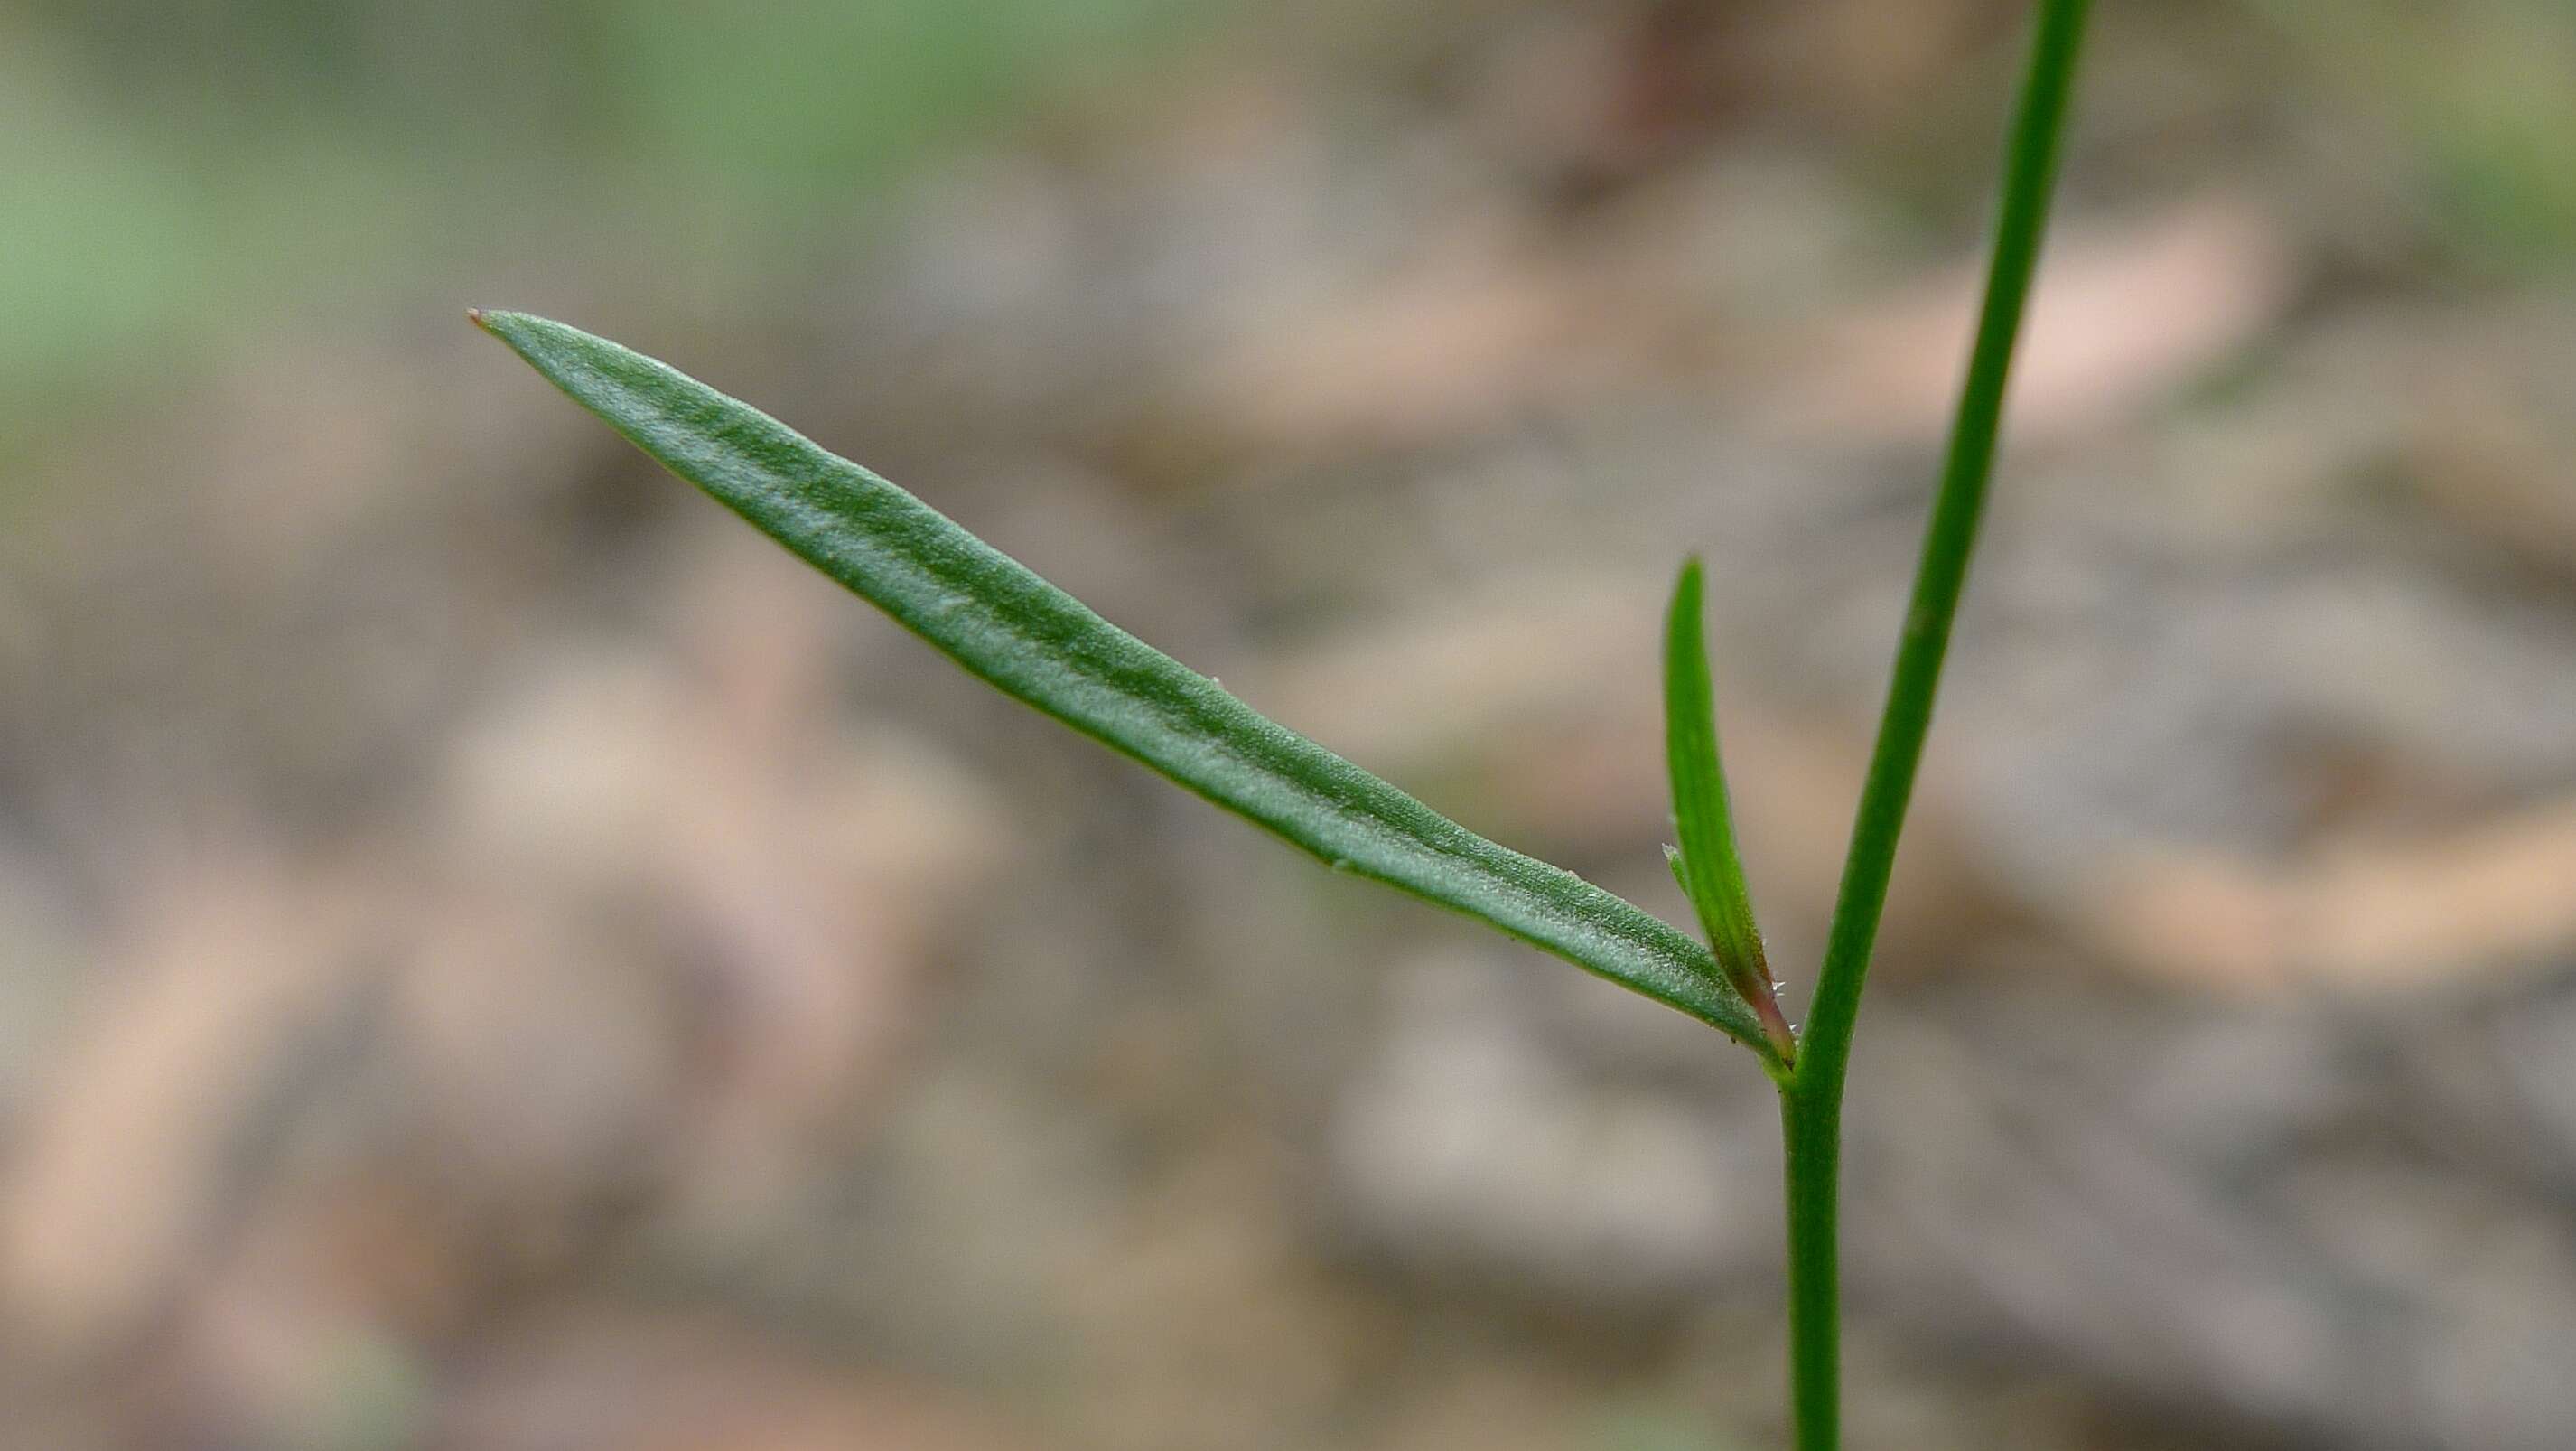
167 169
833 94
1653 1425
2483 94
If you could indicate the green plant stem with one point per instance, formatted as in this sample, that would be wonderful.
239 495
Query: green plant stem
1811 1101
1811 1141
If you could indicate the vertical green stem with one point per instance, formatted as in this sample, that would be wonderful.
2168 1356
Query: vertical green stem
1811 1134
1812 1100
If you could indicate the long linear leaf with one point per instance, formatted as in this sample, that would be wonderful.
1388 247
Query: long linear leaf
1710 871
1036 643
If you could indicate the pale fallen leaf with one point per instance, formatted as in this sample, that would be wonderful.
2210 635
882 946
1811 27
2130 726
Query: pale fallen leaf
2375 915
223 966
1452 345
2120 319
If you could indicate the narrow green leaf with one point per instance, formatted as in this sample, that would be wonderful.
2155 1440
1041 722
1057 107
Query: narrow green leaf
1711 873
1040 645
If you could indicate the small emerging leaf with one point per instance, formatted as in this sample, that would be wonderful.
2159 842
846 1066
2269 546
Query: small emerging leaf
1034 642
1707 866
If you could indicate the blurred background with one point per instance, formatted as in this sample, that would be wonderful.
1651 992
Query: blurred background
496 957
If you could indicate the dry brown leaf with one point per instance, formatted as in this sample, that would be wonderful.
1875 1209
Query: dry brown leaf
226 963
2374 915
800 867
2119 319
1451 346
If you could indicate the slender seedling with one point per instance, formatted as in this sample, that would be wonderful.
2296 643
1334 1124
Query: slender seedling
1036 643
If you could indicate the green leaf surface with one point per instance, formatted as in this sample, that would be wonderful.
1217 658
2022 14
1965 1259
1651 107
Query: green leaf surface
1711 873
1038 644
